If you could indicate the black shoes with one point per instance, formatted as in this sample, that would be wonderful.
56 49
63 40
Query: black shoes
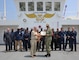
34 55
16 50
47 55
72 50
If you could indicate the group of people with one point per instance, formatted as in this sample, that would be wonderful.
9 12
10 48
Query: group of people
39 39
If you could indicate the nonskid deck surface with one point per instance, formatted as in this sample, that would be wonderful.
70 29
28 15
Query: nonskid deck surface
55 55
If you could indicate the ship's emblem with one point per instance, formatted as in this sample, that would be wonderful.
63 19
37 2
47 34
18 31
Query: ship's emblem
40 17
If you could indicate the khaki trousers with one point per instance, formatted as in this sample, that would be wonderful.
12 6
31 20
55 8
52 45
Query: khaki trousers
18 43
33 47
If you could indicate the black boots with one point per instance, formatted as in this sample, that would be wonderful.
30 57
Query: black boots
47 55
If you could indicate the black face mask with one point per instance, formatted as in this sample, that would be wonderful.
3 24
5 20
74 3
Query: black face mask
47 26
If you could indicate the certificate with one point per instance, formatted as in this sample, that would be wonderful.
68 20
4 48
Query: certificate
43 33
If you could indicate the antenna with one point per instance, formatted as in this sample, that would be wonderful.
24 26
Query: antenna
4 17
65 10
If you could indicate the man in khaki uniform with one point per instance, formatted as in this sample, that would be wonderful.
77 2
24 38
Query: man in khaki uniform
34 38
48 39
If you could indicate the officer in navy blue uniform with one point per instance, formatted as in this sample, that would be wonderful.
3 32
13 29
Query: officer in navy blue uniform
13 39
73 39
68 37
7 39
26 37
57 40
61 34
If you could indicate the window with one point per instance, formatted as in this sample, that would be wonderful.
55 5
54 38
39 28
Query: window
57 6
22 6
30 6
48 6
39 6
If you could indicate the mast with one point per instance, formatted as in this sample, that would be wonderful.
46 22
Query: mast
4 17
77 8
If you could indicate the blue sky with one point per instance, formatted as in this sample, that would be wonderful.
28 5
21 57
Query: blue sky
12 12
71 7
